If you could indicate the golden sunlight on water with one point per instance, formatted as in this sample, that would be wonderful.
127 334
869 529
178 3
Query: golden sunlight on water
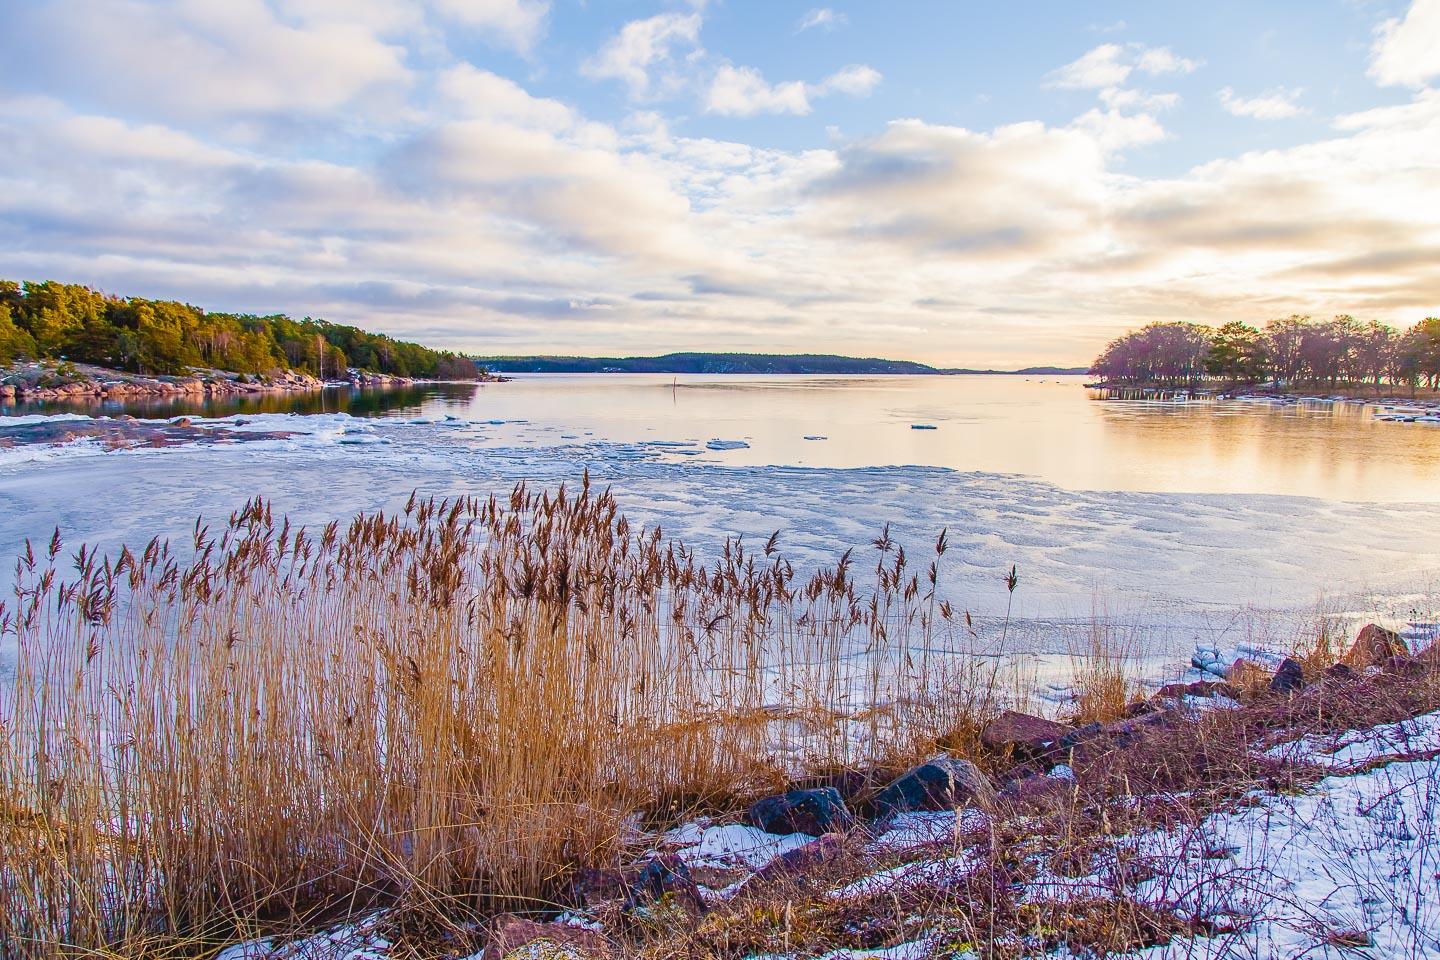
1046 427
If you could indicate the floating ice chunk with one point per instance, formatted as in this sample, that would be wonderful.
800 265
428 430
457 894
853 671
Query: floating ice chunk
728 445
816 437
922 426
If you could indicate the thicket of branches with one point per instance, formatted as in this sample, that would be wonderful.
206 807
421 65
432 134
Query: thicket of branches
1295 350
50 320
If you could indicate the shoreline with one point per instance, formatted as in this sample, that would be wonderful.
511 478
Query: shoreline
37 382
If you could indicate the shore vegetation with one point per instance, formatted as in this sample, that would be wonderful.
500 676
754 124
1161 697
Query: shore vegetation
48 320
1296 351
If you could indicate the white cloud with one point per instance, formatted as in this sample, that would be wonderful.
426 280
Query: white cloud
1162 60
1406 53
516 23
1276 104
630 55
213 61
479 93
744 92
822 17
1104 66
857 80
1111 64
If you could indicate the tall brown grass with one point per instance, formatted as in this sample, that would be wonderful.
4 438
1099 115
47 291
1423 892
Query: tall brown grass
1104 672
455 705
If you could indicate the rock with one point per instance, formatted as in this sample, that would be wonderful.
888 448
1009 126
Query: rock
1038 790
512 933
1373 646
941 783
815 812
662 880
1022 735
1289 677
1339 672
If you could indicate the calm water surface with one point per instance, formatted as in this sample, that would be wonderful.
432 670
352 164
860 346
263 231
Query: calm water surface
1041 427
1049 428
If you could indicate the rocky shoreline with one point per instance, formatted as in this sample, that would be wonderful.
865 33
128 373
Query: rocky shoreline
43 382
1200 822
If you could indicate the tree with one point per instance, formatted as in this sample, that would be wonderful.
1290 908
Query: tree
1237 353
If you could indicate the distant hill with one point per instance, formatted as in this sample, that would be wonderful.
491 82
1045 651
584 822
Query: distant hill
744 363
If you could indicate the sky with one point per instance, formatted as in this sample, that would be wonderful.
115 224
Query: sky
960 182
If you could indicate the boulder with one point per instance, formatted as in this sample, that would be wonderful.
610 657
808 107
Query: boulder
1022 735
941 783
1339 673
1373 646
815 812
1289 677
511 933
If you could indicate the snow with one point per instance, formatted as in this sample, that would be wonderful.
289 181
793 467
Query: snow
914 950
739 845
922 873
1356 854
906 831
1355 749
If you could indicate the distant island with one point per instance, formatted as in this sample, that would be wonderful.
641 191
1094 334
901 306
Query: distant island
741 363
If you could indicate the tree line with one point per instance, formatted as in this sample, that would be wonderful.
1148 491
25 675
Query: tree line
1294 351
49 320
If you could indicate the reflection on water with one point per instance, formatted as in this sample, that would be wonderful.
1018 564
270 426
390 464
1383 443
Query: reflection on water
356 401
1046 427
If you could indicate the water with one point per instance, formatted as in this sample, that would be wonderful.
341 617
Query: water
1048 428
1201 521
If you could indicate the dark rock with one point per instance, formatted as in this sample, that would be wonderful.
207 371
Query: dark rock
1022 735
1339 672
814 812
941 783
512 933
1289 677
1373 646
663 879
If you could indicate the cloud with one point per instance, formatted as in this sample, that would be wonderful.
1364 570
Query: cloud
1276 104
515 23
822 17
744 92
208 61
857 80
479 93
1111 64
639 46
1406 53
462 207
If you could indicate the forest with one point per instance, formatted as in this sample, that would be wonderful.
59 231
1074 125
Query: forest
48 320
1294 351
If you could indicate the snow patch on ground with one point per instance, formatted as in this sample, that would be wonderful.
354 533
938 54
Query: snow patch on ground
739 845
1355 749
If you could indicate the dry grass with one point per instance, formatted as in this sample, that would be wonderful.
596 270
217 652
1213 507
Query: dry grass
449 710
1104 674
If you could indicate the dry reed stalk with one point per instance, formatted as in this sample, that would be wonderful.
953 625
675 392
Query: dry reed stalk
1104 682
456 705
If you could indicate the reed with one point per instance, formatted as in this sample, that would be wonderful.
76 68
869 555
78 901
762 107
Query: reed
448 709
